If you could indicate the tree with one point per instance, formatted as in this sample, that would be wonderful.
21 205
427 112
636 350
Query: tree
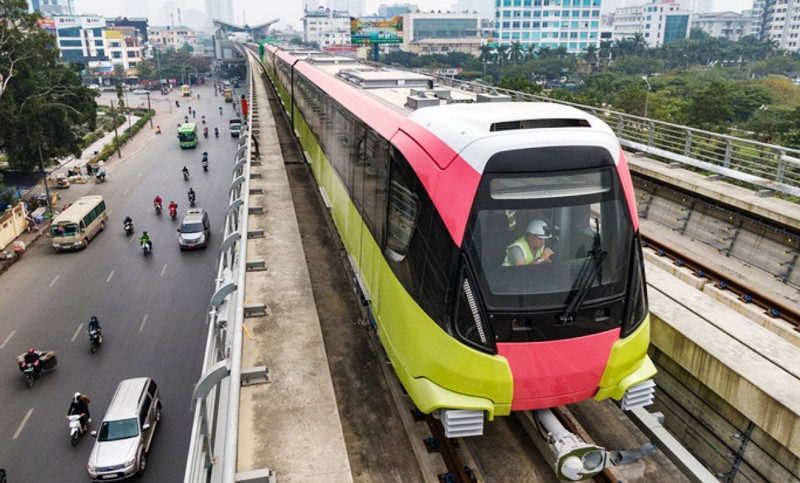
43 106
516 53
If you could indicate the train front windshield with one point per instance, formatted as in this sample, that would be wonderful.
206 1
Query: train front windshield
551 250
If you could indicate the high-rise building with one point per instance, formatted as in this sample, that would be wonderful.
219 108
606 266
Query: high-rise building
783 24
659 22
219 10
49 8
573 25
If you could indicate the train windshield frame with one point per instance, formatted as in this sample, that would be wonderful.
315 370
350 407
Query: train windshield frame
589 228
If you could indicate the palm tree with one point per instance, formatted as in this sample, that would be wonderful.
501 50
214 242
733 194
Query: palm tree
604 53
516 52
638 44
486 56
590 56
545 52
501 54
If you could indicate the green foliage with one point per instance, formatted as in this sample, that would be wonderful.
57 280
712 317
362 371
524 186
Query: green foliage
520 84
43 105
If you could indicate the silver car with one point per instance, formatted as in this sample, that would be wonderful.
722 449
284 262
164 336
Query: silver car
126 431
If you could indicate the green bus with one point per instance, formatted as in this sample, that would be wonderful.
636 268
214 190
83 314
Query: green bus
187 135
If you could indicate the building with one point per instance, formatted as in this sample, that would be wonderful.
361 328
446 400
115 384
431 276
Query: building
171 37
573 25
659 22
219 10
140 24
50 8
783 23
389 11
326 28
92 41
729 25
441 33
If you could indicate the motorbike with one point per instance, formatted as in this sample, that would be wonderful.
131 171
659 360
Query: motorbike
146 248
95 339
216 132
185 174
173 212
205 165
205 134
46 363
158 129
191 199
157 206
128 227
75 428
177 104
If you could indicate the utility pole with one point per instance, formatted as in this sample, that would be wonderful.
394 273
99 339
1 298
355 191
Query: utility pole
116 134
148 109
44 177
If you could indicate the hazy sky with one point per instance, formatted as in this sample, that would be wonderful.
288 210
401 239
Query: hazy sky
290 11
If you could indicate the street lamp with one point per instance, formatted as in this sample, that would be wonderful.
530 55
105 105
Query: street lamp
647 98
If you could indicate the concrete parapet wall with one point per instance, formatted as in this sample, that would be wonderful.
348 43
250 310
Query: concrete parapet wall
753 370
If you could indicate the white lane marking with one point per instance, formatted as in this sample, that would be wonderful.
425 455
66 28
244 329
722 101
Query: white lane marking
54 281
125 193
8 339
109 276
144 321
77 331
22 424
138 174
163 269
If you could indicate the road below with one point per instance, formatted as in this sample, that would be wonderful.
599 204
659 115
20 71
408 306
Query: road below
153 309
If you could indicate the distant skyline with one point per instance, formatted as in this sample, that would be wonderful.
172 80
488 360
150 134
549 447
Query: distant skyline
290 12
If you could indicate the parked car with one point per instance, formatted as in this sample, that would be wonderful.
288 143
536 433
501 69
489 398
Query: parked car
140 92
126 431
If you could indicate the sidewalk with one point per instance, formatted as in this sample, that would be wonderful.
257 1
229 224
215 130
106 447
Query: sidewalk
163 110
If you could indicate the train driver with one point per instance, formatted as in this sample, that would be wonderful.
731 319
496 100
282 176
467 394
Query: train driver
530 249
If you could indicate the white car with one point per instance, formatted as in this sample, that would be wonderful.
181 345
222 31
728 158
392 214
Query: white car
141 92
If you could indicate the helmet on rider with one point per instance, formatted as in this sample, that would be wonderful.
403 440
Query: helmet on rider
31 350
76 396
93 319
144 233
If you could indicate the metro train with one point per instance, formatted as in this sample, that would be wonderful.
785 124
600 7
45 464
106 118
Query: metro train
431 190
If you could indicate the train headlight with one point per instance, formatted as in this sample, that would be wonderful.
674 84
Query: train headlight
470 321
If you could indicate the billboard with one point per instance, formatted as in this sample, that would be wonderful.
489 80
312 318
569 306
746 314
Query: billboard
378 31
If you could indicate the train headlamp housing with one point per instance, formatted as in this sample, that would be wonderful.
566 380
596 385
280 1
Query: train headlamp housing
470 322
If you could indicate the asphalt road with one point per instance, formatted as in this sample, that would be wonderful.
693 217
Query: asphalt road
152 309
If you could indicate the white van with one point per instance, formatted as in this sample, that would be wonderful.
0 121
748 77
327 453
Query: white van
126 431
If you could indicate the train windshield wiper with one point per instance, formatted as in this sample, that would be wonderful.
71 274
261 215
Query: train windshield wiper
590 271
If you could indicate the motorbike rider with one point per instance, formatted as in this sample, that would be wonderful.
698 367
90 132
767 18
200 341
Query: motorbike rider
205 156
80 405
157 201
203 118
205 132
173 207
192 195
216 132
220 110
185 172
32 358
127 221
177 104
94 325
158 129
145 239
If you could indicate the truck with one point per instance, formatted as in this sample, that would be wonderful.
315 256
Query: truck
235 127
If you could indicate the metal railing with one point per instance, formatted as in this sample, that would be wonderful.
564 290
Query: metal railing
213 448
767 166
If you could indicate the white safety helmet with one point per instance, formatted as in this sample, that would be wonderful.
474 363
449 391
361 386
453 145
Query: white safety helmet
539 229
76 396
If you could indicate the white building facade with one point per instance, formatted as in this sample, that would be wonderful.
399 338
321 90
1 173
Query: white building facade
783 24
659 22
729 25
326 28
441 33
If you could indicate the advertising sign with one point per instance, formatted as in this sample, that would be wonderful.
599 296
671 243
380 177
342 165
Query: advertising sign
378 31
